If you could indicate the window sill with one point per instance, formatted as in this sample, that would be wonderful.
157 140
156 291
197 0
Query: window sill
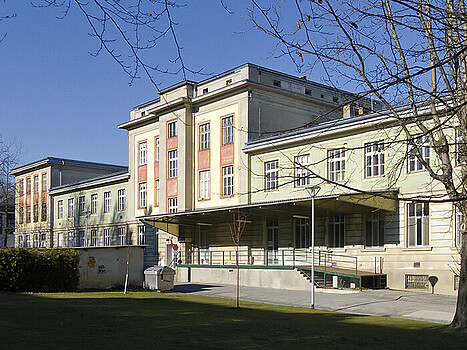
411 249
373 249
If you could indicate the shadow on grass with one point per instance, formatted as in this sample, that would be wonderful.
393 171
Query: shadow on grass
111 320
192 287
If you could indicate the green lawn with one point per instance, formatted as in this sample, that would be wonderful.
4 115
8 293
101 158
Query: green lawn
111 320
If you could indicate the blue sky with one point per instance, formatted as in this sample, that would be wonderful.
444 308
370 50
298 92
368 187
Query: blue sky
58 100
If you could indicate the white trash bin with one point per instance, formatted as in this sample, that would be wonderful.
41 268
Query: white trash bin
160 278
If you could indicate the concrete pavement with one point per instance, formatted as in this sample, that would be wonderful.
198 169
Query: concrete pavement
391 303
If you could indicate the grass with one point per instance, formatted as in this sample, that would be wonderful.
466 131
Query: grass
111 320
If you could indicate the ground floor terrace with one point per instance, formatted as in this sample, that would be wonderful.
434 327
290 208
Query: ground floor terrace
355 235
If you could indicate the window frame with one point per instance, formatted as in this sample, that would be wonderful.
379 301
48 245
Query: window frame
81 205
71 207
172 129
142 195
59 209
338 237
413 163
121 199
44 182
227 181
227 126
336 164
302 170
204 136
107 237
142 153
36 183
204 184
94 203
374 159
172 159
141 235
421 225
107 201
93 242
374 230
157 153
35 211
172 204
271 175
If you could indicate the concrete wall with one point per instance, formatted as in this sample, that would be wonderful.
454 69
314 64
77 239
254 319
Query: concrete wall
106 267
266 278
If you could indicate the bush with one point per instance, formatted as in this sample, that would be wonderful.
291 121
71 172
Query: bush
38 270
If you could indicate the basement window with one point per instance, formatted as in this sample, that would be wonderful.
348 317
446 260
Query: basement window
416 281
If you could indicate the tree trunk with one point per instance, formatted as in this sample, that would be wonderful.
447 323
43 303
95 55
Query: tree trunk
460 317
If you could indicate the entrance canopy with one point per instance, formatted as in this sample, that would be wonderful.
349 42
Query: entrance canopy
324 205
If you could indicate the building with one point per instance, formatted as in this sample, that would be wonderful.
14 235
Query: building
7 223
35 206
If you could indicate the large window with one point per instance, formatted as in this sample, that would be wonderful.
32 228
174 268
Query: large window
36 183
227 130
44 182
158 149
121 236
28 185
374 159
107 238
20 187
141 234
173 163
336 164
336 231
60 209
172 129
142 153
375 230
173 205
418 226
94 204
107 202
142 195
44 212
204 136
81 204
36 212
302 233
158 192
302 172
121 199
204 184
93 238
271 170
423 147
227 180
71 207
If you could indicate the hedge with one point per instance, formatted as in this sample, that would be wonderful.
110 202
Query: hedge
38 270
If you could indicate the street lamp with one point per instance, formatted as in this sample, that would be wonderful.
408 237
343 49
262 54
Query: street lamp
313 190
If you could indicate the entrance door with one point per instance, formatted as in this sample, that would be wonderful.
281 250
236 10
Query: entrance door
203 244
272 227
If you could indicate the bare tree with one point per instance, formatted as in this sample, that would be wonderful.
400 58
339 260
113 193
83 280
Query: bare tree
410 53
9 156
237 226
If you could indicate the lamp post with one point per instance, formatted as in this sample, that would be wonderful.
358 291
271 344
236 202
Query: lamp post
313 190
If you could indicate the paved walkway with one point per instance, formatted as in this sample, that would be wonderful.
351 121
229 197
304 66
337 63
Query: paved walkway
390 303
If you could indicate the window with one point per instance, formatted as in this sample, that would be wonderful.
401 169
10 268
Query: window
142 195
272 229
228 82
28 185
71 207
27 242
21 215
335 99
28 214
375 230
227 180
302 233
36 212
81 205
36 183
271 170
60 209
93 238
276 83
302 172
336 231
158 193
205 90
374 159
107 202
107 236
44 212
35 240
20 242
94 204
418 224
142 153
141 234
44 182
71 239
80 239
173 163
423 147
173 205
172 129
227 130
204 136
121 200
158 149
121 236
204 184
336 164
20 187
458 230
307 91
